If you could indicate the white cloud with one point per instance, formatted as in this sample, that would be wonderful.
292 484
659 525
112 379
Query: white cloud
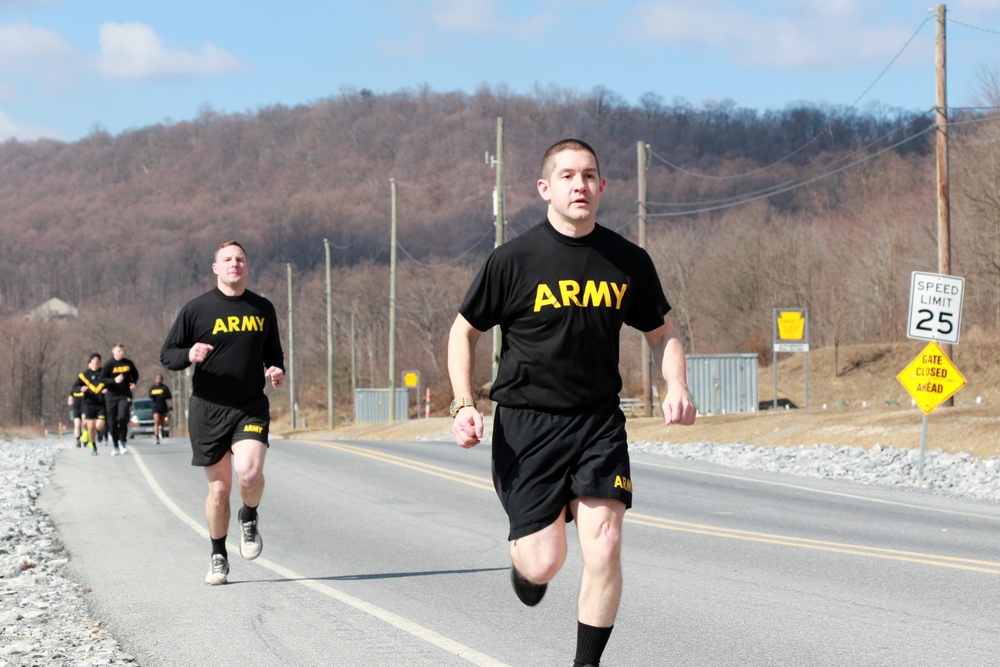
786 35
135 51
11 130
27 49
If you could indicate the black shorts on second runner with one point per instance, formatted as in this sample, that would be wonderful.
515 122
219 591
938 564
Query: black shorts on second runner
93 410
214 428
541 461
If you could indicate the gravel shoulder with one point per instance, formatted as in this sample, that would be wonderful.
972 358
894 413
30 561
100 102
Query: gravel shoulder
969 428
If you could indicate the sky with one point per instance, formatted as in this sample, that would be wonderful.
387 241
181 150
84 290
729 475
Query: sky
70 68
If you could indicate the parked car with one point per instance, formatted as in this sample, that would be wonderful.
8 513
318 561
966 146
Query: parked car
141 421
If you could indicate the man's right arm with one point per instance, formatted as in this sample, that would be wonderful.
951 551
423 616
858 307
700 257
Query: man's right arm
468 426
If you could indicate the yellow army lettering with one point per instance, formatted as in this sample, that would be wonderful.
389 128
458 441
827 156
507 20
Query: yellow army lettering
118 370
235 323
623 483
595 294
253 428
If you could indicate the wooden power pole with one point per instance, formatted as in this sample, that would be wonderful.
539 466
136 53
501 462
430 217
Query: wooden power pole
647 383
943 191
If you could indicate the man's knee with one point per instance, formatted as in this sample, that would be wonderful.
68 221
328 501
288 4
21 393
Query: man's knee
600 527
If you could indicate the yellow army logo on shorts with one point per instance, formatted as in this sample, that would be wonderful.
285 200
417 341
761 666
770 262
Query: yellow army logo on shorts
623 483
235 323
253 428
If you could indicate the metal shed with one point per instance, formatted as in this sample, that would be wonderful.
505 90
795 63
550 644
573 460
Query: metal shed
371 406
723 383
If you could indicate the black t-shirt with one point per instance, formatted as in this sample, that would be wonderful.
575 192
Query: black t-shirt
91 384
244 332
561 303
115 367
160 393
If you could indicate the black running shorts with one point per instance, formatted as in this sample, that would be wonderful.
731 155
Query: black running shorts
214 428
541 461
93 410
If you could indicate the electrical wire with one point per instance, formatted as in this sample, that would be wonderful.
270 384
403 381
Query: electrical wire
818 134
864 149
795 186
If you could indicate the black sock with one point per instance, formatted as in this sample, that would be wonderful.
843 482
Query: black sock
219 546
590 643
248 513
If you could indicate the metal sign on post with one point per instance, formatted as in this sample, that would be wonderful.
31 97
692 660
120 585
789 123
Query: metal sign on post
790 333
931 379
935 307
411 380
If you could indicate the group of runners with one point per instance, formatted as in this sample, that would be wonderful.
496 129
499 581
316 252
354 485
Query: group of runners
101 399
560 293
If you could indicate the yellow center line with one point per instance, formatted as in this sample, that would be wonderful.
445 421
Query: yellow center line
446 473
934 560
805 543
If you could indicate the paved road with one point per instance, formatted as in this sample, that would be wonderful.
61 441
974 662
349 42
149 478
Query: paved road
395 553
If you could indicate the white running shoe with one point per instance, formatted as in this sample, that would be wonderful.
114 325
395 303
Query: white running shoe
217 571
114 452
250 540
124 448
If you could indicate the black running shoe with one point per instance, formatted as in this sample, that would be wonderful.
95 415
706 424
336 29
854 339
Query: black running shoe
527 592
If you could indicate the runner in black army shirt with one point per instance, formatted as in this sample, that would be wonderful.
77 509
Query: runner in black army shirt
231 335
90 382
159 393
560 294
120 376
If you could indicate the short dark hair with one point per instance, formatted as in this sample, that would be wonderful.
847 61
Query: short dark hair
566 145
226 244
94 355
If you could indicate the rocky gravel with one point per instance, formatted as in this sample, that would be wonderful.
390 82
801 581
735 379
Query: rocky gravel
43 613
44 619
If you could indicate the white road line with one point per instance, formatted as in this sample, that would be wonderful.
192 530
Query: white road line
392 619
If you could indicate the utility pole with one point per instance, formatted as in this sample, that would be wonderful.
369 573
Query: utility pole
392 308
329 341
498 207
291 351
647 381
943 187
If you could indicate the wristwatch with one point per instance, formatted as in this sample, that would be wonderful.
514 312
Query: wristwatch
460 403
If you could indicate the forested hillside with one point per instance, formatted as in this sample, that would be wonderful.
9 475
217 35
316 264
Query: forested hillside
824 208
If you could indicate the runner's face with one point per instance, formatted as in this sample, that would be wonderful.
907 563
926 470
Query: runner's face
95 364
118 353
231 266
574 188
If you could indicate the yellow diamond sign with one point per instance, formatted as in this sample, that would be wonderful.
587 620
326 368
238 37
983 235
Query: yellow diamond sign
931 378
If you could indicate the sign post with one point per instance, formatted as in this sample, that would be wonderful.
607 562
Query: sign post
411 379
790 333
931 379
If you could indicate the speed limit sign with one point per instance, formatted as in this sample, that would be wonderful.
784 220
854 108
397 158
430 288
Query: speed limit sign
935 307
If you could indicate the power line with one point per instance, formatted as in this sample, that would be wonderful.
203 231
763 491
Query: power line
821 132
794 186
974 27
780 186
449 263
